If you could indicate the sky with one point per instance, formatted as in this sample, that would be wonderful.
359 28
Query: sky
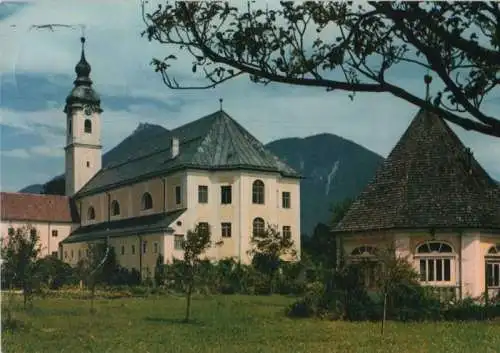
37 73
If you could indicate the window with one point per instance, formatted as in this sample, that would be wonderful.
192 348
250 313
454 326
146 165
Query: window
91 213
54 253
87 126
369 267
287 231
33 232
72 254
203 227
69 126
65 254
123 250
11 231
55 233
435 262
155 248
178 242
79 254
258 192
226 230
88 164
115 208
178 198
258 226
144 246
132 249
493 267
202 194
225 194
147 201
285 199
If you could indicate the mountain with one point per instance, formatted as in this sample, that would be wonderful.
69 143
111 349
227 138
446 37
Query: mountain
32 189
334 169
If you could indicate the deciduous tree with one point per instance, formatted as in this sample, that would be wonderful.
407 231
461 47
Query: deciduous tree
342 46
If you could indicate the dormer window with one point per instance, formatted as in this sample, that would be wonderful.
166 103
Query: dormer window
91 213
147 201
115 208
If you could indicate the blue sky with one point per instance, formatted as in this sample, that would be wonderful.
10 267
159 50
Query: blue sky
37 71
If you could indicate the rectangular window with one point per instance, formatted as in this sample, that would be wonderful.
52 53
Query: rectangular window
72 254
203 227
54 233
287 231
178 197
155 248
79 254
123 250
144 246
65 254
435 270
225 194
133 250
493 274
33 233
55 253
178 241
202 193
285 199
226 230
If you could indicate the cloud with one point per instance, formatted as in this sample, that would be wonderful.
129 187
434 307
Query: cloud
37 70
15 153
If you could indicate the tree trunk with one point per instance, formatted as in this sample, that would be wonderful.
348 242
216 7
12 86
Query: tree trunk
384 313
188 303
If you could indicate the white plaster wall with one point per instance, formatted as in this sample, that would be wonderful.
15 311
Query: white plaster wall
472 265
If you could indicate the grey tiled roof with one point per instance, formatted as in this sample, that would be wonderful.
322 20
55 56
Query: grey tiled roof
426 182
214 142
125 227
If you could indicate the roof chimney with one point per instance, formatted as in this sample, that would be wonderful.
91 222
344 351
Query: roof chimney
174 147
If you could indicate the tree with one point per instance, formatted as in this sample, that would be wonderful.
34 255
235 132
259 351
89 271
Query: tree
159 270
196 243
268 249
339 210
93 267
19 260
344 47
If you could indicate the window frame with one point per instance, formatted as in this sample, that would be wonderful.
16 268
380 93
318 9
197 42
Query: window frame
435 267
87 126
226 229
258 192
115 208
287 230
54 233
365 256
226 194
146 201
178 195
178 241
492 259
286 202
144 247
91 213
203 194
261 225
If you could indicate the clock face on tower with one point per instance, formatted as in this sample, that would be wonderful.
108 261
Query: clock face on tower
87 110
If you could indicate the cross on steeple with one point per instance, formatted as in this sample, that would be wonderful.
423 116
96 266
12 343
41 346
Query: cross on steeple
220 104
427 80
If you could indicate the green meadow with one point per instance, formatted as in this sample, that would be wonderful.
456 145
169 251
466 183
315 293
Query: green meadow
224 324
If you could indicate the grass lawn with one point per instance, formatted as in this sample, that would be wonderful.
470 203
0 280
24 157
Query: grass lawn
225 324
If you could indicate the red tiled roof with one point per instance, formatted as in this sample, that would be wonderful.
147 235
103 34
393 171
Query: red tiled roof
35 207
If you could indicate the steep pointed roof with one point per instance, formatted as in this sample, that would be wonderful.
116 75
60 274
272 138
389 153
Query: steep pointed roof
429 180
214 142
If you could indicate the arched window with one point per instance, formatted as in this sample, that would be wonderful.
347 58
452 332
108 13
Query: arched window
436 262
258 226
258 192
368 264
115 208
492 266
87 126
147 201
365 250
91 213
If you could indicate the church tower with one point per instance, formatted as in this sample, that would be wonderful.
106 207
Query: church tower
83 155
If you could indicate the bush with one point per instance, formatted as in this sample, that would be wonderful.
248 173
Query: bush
55 273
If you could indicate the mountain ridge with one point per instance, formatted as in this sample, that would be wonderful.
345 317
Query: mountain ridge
334 168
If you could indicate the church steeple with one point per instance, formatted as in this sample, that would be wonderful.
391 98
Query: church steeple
83 95
83 68
83 134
